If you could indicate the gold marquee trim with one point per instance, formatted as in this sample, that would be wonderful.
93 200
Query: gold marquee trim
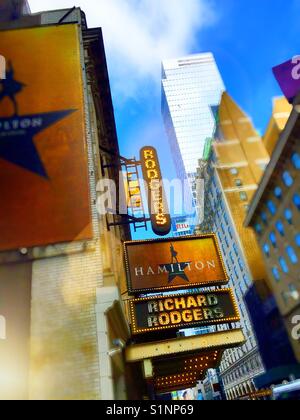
136 330
225 339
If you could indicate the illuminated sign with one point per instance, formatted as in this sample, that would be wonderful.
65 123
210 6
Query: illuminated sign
183 311
44 185
158 207
172 370
169 264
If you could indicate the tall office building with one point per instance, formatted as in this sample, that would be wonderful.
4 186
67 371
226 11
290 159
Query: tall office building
232 176
239 160
275 215
239 366
191 87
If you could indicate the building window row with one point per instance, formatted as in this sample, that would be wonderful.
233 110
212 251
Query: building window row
288 213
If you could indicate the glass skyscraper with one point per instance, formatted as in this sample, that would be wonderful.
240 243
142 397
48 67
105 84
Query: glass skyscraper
191 87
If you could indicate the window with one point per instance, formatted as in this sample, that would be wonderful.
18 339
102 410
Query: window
226 219
280 227
246 280
283 265
297 240
226 241
241 264
273 239
243 196
296 160
287 179
235 248
222 227
288 214
258 229
238 182
267 250
278 193
264 218
296 201
292 255
272 207
276 274
234 171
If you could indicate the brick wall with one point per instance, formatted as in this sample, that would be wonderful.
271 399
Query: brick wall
64 354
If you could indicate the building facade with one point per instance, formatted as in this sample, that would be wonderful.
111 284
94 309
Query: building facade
211 386
181 227
238 162
12 10
190 87
239 367
274 214
63 325
280 114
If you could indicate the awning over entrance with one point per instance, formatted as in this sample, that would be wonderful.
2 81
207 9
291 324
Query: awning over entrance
181 363
180 346
181 372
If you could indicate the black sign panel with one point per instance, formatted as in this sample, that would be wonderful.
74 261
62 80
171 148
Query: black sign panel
183 311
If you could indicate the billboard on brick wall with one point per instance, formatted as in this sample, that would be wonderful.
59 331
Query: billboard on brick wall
44 186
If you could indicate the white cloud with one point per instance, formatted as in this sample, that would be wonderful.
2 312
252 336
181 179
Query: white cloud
138 34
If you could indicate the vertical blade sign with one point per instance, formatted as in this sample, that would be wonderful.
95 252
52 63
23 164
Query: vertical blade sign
157 203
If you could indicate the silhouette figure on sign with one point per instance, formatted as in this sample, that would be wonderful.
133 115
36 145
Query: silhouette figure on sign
174 254
10 87
176 268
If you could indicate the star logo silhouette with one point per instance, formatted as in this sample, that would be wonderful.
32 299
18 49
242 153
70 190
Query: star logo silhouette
176 270
17 139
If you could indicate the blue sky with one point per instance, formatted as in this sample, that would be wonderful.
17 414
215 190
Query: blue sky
247 38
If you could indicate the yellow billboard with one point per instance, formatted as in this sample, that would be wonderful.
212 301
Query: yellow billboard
44 186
